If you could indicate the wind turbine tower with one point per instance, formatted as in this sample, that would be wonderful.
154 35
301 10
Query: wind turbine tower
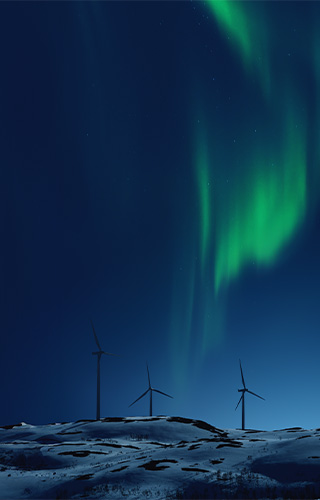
151 390
244 390
98 354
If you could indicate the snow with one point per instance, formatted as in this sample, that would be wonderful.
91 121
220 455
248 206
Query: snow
156 457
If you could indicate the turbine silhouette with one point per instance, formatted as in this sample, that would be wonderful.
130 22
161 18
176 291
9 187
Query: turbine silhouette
150 389
98 354
244 390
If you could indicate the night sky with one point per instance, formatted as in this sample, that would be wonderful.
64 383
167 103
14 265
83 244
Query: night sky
160 176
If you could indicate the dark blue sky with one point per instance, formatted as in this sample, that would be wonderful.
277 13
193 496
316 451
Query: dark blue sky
133 141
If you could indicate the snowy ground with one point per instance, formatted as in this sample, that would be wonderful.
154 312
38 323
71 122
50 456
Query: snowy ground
156 457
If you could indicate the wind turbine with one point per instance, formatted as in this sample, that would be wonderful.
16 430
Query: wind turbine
150 389
244 390
98 354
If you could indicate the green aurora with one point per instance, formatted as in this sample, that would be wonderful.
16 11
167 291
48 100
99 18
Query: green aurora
261 213
246 29
251 201
206 211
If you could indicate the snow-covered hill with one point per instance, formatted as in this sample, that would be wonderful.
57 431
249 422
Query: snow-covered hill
156 457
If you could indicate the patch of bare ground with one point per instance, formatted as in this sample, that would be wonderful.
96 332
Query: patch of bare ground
10 426
84 477
198 423
182 444
113 419
193 469
120 469
150 419
293 429
233 444
252 431
85 420
163 445
194 446
66 433
155 464
82 453
114 445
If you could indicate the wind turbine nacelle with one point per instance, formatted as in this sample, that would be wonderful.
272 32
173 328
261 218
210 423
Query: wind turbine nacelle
96 352
242 390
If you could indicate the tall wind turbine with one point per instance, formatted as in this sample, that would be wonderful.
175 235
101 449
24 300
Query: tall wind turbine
244 390
150 389
98 354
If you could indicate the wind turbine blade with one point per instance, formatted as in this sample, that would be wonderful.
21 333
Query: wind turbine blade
95 336
244 384
160 392
256 395
139 397
239 402
109 353
148 377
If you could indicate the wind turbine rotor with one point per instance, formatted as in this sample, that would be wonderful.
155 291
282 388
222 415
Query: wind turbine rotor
151 390
148 377
95 336
239 401
255 395
160 392
243 382
140 397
